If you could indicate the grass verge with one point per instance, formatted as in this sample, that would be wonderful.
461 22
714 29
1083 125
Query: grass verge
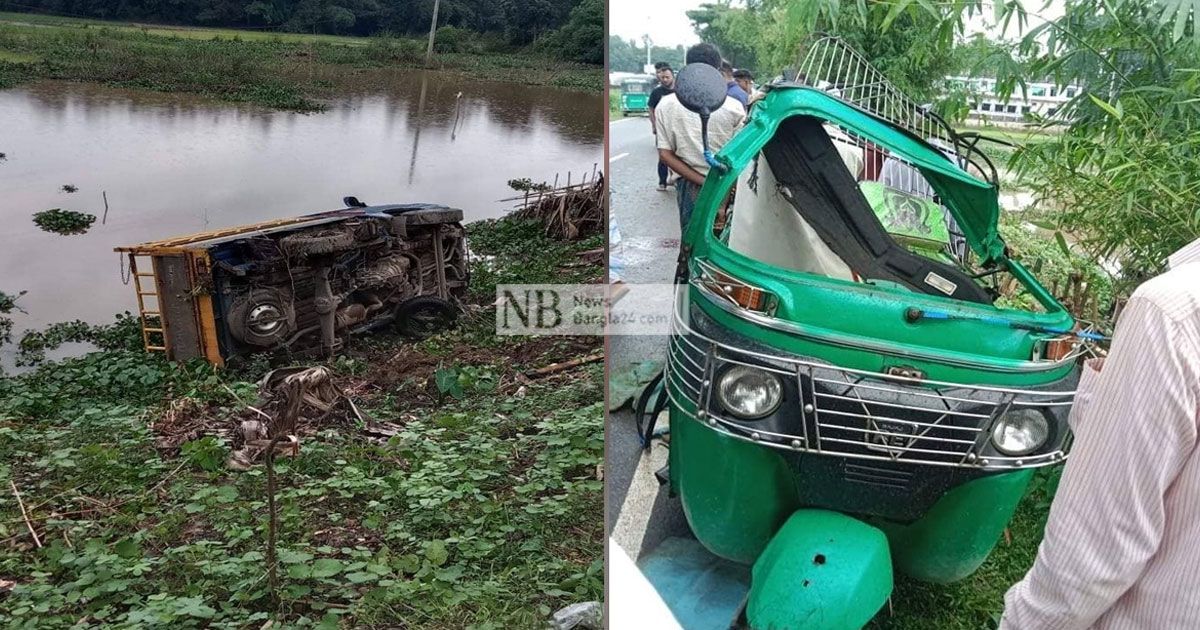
1000 154
276 70
484 511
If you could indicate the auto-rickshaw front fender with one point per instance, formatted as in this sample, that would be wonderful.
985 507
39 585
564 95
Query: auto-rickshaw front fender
821 571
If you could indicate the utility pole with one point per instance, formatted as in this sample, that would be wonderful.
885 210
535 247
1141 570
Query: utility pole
432 31
649 67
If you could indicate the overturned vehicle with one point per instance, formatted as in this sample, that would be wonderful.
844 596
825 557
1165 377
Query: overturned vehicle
847 396
301 284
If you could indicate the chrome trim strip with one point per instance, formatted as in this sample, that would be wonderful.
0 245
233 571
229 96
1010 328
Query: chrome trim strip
965 414
914 438
972 430
794 328
687 330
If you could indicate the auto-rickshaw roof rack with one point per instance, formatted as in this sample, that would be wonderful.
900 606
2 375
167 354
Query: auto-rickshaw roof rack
179 242
832 65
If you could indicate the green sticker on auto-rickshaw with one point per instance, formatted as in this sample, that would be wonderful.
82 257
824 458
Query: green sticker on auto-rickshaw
911 219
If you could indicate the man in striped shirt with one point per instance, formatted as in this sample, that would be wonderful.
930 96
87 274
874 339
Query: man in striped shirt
1122 544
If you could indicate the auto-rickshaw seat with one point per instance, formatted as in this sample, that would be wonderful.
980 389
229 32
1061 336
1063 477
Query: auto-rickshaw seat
806 162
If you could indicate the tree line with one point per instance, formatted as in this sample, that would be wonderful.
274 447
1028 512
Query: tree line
573 29
629 55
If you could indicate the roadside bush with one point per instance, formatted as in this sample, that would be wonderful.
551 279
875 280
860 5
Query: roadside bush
386 49
451 39
1123 173
1052 263
493 43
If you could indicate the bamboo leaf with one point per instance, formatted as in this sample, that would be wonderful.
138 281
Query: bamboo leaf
1181 20
1062 243
900 7
1112 111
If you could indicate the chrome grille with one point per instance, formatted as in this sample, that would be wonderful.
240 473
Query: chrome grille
854 413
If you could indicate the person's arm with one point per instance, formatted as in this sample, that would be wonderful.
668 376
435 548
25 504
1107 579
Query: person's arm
655 97
673 162
1107 518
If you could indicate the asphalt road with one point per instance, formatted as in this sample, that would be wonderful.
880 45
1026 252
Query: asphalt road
639 512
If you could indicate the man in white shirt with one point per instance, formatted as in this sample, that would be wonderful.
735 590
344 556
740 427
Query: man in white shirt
1122 545
680 144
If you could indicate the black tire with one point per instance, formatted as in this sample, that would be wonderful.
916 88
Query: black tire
425 316
262 318
327 241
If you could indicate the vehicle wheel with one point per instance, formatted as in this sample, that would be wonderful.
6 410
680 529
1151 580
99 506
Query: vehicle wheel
425 316
261 318
326 241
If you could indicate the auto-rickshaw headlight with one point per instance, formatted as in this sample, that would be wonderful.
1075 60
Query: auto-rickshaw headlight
1020 431
749 393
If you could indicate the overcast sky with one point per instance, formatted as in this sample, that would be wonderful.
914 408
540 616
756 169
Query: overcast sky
664 20
667 24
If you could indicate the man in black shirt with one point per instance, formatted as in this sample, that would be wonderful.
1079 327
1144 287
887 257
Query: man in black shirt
666 85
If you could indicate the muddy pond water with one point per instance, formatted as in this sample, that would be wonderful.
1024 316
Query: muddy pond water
173 164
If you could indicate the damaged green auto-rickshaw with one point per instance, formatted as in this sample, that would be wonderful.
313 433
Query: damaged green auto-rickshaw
846 397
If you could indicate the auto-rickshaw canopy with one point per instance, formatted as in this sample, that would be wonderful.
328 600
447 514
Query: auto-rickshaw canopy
973 201
637 85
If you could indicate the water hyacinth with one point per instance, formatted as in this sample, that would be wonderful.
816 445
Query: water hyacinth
64 222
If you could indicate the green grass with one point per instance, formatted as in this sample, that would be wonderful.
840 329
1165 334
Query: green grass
484 511
285 71
187 32
614 103
18 58
1000 154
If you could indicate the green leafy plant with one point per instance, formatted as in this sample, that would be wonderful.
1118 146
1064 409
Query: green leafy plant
8 304
208 453
450 39
460 381
123 333
64 222
1121 177
1045 251
525 184
911 48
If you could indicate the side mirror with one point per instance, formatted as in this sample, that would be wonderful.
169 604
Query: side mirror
700 88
